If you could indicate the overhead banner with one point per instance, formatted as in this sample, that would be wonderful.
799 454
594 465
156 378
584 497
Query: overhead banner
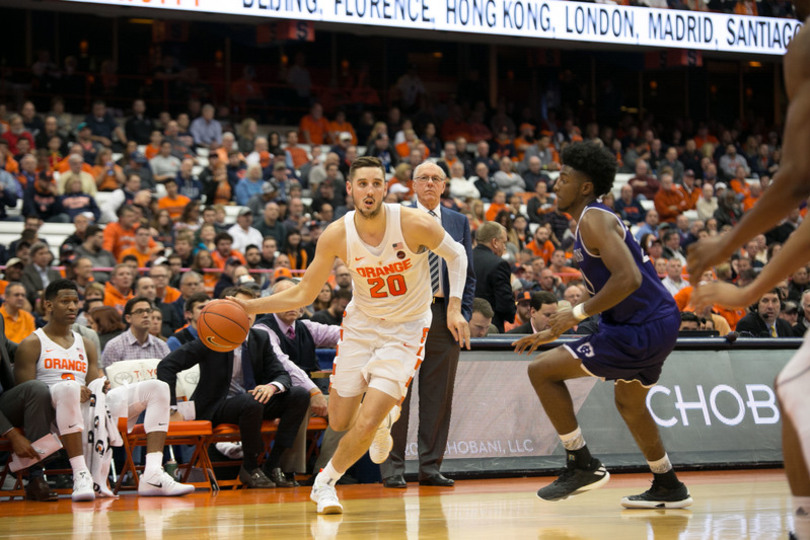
551 20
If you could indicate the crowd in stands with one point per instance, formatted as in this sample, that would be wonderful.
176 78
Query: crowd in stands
149 193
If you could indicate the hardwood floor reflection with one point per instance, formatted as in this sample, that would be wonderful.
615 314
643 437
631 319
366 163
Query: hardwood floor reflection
741 504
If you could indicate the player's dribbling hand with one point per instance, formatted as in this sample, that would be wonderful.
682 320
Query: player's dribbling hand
243 304
530 343
460 329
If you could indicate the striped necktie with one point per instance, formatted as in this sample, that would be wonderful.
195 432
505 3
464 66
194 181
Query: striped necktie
435 269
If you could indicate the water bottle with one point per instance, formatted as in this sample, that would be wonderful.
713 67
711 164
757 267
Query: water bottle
171 468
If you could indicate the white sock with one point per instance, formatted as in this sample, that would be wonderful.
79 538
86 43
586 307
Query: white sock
574 440
78 464
801 517
660 466
154 461
328 475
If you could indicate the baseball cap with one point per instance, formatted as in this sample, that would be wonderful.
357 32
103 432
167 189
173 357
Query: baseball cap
345 136
279 165
14 261
81 126
233 261
720 185
66 248
524 296
282 272
244 211
269 186
689 172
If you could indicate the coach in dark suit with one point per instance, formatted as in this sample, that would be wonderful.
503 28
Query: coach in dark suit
494 278
763 319
437 374
32 272
256 390
24 406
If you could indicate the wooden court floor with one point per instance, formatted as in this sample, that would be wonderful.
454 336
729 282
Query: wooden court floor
728 505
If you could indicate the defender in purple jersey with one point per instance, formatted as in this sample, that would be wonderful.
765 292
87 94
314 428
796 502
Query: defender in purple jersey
638 329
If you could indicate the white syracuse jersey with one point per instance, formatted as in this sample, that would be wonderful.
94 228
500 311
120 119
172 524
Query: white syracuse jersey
57 364
390 281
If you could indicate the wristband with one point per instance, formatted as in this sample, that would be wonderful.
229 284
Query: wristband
579 312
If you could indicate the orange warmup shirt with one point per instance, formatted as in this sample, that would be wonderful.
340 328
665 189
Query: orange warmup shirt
20 328
174 206
117 239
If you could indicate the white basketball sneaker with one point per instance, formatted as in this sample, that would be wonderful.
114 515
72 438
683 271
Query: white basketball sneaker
83 487
382 443
162 485
326 498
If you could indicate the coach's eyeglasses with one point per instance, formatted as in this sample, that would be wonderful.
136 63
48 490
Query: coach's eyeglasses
426 179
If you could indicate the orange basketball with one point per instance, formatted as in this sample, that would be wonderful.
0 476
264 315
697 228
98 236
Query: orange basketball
223 325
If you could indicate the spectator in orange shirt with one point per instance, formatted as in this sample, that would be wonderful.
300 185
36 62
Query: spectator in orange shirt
173 201
340 125
120 235
754 192
314 128
64 164
141 250
19 323
690 190
153 148
411 140
541 245
223 252
118 290
498 203
299 155
164 293
670 201
107 174
738 183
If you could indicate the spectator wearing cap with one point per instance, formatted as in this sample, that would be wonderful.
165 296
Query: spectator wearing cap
224 250
345 139
258 202
42 201
13 272
790 313
522 310
243 233
250 185
226 278
691 191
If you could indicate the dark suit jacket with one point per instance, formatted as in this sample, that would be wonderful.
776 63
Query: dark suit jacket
33 282
525 328
7 349
458 227
494 285
752 325
216 369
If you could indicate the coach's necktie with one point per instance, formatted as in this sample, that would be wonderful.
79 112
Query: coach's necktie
247 369
291 332
435 269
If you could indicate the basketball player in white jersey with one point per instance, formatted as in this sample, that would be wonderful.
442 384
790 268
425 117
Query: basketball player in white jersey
386 323
790 187
67 363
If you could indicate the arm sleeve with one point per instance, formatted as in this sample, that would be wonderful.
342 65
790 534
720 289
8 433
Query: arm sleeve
455 257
